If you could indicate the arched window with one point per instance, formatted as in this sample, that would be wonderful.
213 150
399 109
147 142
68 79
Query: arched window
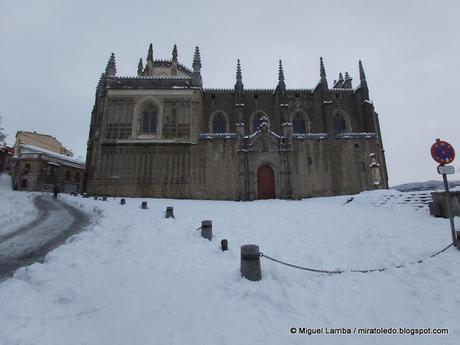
219 124
149 119
257 121
340 123
299 123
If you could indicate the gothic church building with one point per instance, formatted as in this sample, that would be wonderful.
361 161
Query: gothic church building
162 134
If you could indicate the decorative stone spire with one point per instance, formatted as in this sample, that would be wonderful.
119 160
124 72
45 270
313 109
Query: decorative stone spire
338 83
282 98
100 84
239 77
281 76
111 69
238 99
362 76
150 53
347 83
197 60
174 69
140 67
174 54
196 75
148 71
322 72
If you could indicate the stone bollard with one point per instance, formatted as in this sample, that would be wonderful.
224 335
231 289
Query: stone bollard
122 201
144 205
224 245
170 212
250 262
104 198
206 229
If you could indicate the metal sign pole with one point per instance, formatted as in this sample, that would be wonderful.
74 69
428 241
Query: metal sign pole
449 210
443 153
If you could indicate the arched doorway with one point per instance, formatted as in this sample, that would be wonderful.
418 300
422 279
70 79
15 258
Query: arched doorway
265 183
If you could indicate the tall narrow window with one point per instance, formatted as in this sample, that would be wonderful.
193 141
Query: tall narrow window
149 119
340 124
219 123
169 125
299 124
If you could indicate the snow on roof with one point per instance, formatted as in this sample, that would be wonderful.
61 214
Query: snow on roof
55 164
36 149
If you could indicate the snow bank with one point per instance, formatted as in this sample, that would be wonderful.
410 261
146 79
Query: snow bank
16 208
138 278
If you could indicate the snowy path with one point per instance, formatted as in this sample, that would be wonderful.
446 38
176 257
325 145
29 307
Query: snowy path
54 223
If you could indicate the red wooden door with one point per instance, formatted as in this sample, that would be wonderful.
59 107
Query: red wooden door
265 183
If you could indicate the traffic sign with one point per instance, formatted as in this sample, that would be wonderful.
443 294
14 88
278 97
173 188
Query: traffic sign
442 152
446 169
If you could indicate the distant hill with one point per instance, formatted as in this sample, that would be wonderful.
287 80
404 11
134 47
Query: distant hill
420 186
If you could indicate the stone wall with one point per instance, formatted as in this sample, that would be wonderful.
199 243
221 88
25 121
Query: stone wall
215 169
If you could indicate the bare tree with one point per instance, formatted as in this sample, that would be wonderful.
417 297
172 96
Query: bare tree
2 134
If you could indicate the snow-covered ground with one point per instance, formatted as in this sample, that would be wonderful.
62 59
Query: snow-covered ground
138 278
16 209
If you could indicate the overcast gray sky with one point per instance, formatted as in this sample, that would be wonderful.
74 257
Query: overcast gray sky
53 52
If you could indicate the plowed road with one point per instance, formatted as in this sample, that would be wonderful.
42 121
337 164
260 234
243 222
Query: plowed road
55 222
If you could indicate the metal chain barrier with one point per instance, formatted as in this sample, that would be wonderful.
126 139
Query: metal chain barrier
262 255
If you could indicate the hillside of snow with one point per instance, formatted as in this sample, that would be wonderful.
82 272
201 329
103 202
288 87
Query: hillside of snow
424 186
138 278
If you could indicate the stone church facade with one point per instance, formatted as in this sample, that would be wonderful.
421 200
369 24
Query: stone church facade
162 134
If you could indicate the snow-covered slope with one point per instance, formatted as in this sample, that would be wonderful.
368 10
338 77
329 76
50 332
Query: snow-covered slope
16 209
138 278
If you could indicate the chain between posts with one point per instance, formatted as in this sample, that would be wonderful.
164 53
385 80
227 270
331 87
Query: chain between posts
316 270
